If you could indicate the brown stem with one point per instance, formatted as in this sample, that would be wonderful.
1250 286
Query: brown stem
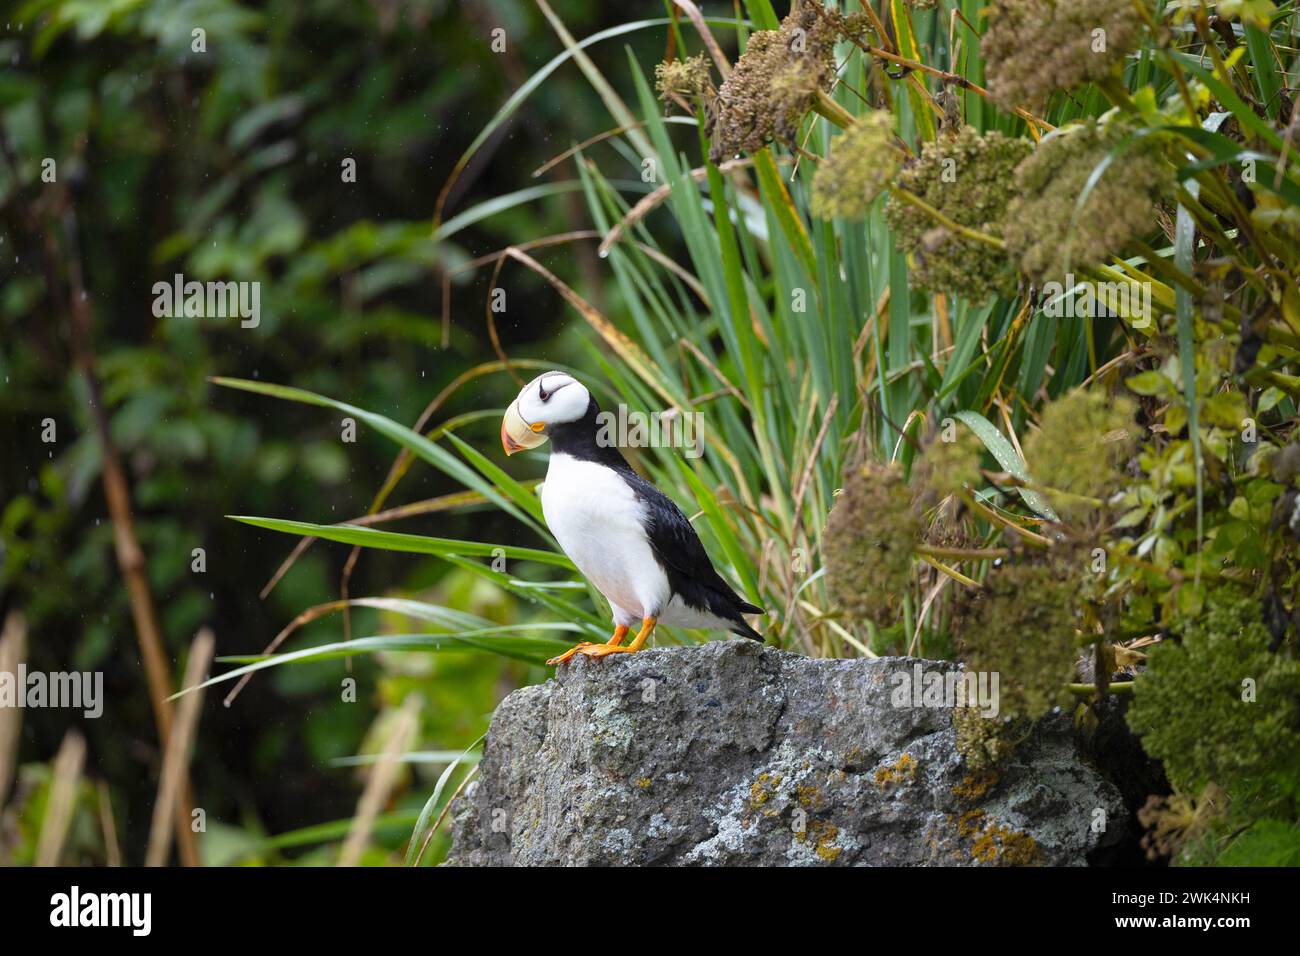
117 494
956 79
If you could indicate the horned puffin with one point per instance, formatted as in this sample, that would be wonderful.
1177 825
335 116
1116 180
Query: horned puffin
624 534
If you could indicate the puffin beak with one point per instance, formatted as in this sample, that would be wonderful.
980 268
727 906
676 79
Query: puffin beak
517 434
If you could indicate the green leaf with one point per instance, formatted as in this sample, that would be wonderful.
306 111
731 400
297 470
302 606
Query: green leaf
408 543
1153 382
1005 453
503 640
426 814
420 446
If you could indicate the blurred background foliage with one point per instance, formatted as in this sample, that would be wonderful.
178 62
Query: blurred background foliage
228 164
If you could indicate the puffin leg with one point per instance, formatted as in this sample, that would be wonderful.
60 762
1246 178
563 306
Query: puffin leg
601 650
615 640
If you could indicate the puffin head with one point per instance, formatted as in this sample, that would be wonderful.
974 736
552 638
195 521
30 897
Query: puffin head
553 398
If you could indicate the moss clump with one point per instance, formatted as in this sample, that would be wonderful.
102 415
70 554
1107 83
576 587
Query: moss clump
1083 442
1033 47
774 83
983 741
1119 208
869 542
1022 624
969 180
860 166
1220 707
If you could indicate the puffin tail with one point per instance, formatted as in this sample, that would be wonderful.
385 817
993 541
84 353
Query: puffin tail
740 627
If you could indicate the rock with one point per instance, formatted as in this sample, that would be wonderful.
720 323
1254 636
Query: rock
730 753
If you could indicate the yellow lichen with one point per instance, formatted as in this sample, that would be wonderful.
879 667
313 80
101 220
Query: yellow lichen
969 823
993 842
976 786
810 798
763 789
822 836
643 782
902 771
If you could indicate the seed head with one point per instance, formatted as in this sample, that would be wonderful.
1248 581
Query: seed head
1033 47
861 164
1118 209
1022 625
1083 441
774 82
689 79
869 544
969 179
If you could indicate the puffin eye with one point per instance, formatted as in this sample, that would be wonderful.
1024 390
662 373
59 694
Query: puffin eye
542 393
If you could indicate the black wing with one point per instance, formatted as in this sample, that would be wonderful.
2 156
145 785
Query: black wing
690 572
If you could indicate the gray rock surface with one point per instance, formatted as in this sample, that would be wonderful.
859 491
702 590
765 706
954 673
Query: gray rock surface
734 754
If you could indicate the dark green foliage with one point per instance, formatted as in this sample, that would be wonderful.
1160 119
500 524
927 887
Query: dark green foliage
1219 706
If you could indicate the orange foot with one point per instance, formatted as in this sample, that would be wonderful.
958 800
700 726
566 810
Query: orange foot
582 648
587 649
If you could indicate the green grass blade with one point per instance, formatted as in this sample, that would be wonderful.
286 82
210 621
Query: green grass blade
407 543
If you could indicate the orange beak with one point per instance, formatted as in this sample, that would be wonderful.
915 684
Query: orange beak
509 444
517 434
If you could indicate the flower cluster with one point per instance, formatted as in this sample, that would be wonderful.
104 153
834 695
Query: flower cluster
690 79
1022 624
1049 183
1083 441
861 165
969 180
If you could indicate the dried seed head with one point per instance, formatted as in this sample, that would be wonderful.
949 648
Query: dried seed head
773 84
947 467
1083 441
1022 624
870 538
689 79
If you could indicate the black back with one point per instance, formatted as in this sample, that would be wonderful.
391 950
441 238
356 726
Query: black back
673 540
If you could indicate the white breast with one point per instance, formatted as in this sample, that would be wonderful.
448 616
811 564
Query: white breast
598 521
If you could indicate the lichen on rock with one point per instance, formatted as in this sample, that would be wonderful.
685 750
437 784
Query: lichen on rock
761 757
